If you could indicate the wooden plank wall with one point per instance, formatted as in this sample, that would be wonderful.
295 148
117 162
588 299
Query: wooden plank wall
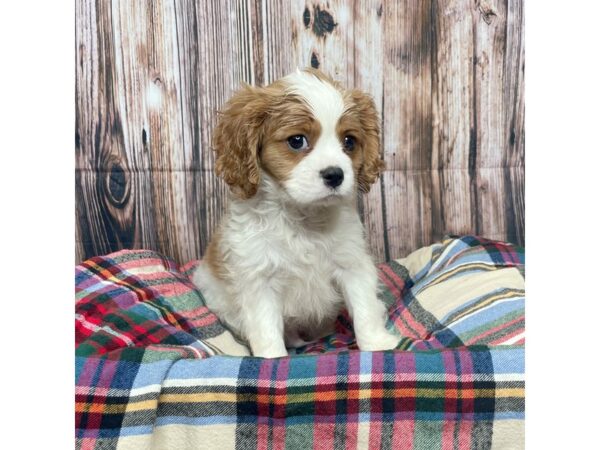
447 77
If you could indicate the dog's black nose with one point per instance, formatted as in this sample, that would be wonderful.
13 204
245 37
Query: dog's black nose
332 176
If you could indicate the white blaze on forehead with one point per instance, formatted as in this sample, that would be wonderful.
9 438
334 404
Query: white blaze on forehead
324 100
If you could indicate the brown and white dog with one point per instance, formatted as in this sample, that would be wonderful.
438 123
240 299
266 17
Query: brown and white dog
291 249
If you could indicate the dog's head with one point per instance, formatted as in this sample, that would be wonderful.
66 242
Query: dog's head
317 140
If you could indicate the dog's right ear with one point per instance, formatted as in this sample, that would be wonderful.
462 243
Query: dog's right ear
237 139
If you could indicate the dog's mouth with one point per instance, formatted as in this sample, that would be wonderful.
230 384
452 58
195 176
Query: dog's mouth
333 196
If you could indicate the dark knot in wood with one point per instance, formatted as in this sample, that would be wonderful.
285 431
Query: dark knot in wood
314 60
323 22
116 185
488 11
306 17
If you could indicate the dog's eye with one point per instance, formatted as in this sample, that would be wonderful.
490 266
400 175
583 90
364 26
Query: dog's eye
298 142
349 142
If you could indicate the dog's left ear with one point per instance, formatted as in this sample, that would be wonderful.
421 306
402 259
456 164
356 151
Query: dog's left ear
372 164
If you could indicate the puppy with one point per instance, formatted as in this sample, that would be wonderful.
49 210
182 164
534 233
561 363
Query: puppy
291 248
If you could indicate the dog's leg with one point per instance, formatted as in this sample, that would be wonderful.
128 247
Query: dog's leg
263 323
369 315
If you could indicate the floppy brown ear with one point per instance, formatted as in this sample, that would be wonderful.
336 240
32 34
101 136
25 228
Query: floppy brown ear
237 138
372 164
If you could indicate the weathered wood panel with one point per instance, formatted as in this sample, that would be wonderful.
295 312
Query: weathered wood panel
447 78
368 75
407 124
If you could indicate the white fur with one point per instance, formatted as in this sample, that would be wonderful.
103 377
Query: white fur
296 253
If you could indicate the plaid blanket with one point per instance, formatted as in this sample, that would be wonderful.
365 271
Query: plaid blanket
154 367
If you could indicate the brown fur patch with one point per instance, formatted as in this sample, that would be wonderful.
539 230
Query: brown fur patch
361 121
214 258
236 140
349 125
276 157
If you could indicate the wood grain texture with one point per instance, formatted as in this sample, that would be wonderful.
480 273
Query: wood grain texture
407 124
446 76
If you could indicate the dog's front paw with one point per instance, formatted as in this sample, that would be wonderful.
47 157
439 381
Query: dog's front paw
378 340
274 350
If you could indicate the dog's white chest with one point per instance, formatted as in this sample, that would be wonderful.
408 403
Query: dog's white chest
299 263
305 284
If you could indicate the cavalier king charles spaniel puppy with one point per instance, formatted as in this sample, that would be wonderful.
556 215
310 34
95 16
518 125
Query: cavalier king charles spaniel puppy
291 250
